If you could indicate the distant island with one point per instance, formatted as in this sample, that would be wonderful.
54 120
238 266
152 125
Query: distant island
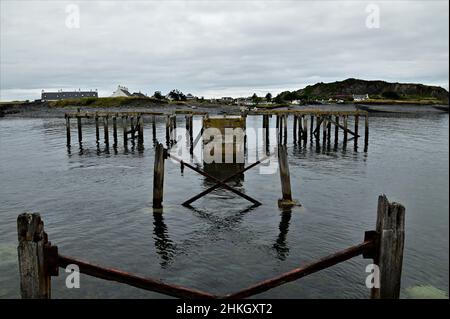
377 92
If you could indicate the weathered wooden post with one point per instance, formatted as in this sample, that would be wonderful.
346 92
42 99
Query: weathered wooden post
345 131
168 130
141 131
389 248
115 131
80 134
356 132
97 131
124 129
153 128
285 129
294 130
300 129
105 127
283 165
324 129
158 176
366 132
305 130
34 277
132 129
311 128
329 132
336 132
68 129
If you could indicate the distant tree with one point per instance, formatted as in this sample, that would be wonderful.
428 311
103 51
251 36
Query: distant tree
177 95
269 97
158 95
255 98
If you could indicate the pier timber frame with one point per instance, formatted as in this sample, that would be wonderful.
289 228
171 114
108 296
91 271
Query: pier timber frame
39 260
320 127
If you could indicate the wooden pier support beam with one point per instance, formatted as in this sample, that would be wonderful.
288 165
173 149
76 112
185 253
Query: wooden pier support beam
285 131
97 131
114 131
125 132
345 131
106 129
68 130
389 250
294 130
366 132
336 132
305 129
167 130
154 128
356 132
80 133
283 165
158 176
140 131
34 277
311 128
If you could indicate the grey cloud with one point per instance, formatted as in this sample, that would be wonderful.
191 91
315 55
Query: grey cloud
213 48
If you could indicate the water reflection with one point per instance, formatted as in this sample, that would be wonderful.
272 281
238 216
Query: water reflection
163 244
280 245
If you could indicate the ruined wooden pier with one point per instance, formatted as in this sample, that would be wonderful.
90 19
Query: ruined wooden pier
322 128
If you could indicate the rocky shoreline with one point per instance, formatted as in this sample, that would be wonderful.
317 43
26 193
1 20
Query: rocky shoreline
44 110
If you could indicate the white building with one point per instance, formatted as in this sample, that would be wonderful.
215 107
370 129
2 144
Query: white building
360 97
121 91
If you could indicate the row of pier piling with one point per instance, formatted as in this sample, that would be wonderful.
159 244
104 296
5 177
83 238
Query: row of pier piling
318 127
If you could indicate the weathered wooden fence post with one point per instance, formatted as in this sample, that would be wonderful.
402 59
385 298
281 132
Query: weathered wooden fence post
34 278
389 248
158 176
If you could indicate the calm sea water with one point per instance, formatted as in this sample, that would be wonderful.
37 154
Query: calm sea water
97 207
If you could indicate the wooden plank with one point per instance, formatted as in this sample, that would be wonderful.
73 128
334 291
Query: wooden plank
158 176
389 254
133 280
298 273
34 279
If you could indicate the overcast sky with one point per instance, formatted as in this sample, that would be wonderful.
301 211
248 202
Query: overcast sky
217 48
